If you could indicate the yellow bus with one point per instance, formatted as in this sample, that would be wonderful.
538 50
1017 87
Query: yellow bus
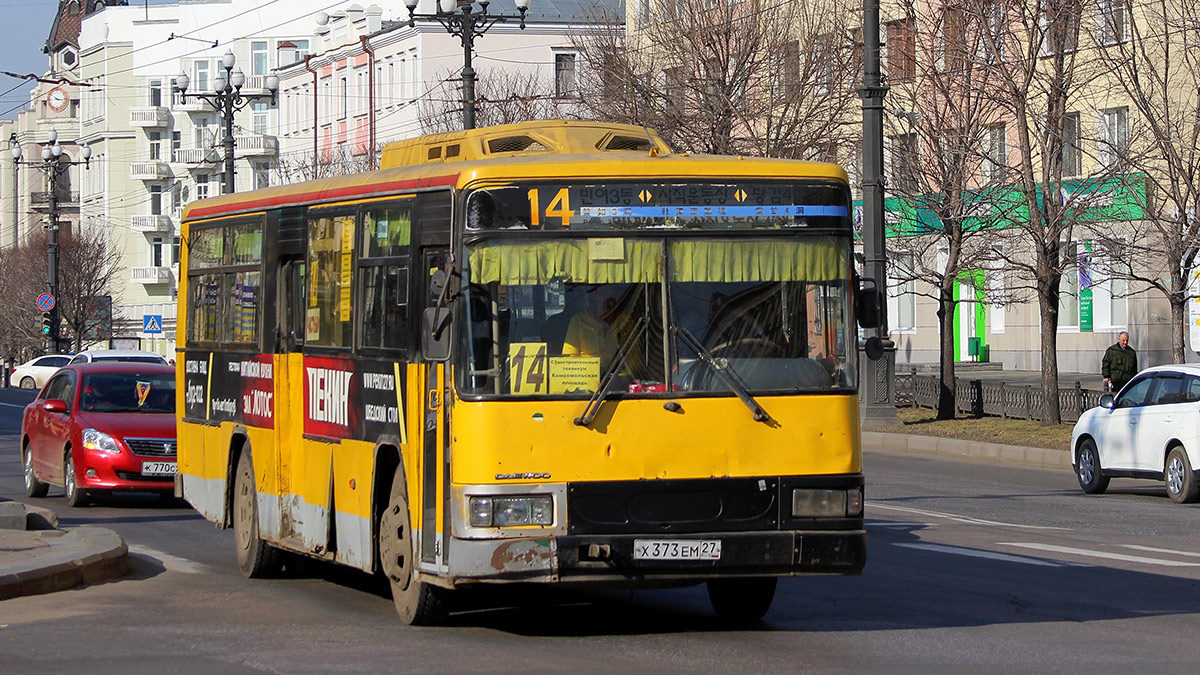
545 352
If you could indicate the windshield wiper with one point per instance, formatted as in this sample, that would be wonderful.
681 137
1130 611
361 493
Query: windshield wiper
618 362
721 368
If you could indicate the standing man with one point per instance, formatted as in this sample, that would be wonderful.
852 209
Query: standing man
1120 363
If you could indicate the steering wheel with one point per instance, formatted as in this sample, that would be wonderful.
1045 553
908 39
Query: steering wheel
703 372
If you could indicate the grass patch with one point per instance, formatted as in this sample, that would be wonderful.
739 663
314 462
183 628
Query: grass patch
1026 433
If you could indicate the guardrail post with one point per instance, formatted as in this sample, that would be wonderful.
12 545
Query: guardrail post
1028 402
1003 402
977 397
1079 396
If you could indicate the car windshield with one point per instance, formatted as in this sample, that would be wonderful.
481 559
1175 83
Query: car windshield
128 392
550 317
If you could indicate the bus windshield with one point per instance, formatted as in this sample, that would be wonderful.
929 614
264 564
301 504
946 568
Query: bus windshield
550 317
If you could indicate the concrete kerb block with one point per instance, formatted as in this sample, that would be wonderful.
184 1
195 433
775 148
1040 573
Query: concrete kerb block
38 518
83 555
12 516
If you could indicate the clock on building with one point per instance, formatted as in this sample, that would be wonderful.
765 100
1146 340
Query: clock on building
56 98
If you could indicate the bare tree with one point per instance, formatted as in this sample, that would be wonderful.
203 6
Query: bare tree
942 92
88 264
296 167
1042 68
502 97
737 78
1157 67
22 280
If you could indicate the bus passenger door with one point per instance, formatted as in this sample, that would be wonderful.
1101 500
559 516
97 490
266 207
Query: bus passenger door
435 467
289 385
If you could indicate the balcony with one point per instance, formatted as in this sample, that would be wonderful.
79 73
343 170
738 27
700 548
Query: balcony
255 84
193 104
151 170
152 225
195 157
255 145
150 276
152 117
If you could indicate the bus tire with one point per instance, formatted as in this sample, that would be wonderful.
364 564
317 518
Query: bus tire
255 558
418 603
741 601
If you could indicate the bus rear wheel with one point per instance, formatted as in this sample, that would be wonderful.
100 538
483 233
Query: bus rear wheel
742 601
255 558
417 603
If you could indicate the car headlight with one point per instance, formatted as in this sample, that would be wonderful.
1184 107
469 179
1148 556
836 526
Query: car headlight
94 439
512 511
823 503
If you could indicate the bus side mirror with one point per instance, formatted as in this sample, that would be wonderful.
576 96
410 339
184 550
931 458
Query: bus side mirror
435 333
868 304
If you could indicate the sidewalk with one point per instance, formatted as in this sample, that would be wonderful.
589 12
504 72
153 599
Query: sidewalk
37 557
933 446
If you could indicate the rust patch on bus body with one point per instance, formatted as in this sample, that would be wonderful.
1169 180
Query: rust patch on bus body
520 555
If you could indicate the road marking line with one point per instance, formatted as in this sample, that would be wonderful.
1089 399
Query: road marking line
1151 549
1100 554
991 555
895 524
171 562
962 519
14 405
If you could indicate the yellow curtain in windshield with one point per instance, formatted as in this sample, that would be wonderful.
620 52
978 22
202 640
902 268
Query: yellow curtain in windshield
518 263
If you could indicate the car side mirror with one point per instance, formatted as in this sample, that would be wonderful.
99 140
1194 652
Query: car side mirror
55 405
1108 401
868 304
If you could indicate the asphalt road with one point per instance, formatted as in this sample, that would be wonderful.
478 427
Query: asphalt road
972 566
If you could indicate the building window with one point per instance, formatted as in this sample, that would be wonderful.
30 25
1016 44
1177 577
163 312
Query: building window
1060 29
676 88
1110 21
996 162
1072 157
904 162
258 58
175 249
201 186
901 50
262 175
155 93
301 49
643 11
825 60
343 97
156 252
902 293
1114 137
564 76
258 116
176 144
199 76
156 195
155 145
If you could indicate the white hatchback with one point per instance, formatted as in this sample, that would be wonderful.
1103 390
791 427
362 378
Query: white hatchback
33 374
1150 429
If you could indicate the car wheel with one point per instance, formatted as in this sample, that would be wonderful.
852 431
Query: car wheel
417 603
28 383
742 601
1182 487
255 558
75 495
1087 468
33 486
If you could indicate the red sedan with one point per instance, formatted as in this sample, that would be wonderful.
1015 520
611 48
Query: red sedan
99 427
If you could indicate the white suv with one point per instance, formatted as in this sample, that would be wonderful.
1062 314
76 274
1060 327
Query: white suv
34 374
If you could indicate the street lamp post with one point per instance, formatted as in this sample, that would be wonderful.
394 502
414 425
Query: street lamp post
467 24
227 97
53 166
877 377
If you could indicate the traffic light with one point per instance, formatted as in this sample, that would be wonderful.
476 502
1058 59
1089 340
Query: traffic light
47 323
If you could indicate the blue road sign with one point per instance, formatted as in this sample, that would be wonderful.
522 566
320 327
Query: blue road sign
45 302
152 323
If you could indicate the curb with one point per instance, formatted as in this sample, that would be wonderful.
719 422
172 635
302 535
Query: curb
75 557
934 446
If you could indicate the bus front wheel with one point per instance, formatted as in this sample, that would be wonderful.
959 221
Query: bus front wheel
255 558
417 603
741 601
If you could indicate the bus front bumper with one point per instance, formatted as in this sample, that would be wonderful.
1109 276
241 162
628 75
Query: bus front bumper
696 557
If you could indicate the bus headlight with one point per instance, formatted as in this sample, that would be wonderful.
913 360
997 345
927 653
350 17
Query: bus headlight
824 503
94 439
512 511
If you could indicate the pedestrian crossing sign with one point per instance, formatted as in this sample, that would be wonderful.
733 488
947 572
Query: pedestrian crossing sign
152 323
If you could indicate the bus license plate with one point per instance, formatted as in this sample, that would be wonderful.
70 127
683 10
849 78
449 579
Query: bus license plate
158 468
676 549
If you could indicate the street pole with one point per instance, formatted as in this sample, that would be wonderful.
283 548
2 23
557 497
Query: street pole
466 24
227 98
876 377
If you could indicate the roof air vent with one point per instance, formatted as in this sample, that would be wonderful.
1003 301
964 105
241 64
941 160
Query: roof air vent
515 144
640 144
